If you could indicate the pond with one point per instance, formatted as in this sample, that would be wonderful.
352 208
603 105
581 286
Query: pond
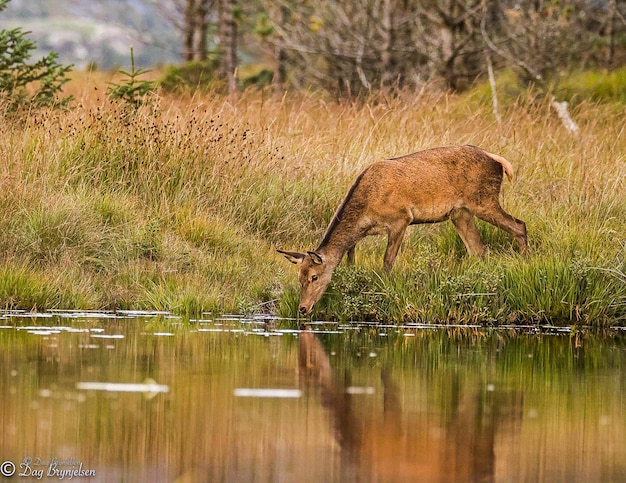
132 396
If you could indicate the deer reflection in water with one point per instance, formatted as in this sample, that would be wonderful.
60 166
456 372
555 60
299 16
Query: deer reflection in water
401 445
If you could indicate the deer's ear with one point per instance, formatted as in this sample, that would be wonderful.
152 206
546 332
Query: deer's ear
293 257
316 258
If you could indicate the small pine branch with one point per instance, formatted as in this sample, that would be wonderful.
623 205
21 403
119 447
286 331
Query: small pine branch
132 90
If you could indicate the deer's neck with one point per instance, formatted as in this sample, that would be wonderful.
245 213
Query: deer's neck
342 234
347 225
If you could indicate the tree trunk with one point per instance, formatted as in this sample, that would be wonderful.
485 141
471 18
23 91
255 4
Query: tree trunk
188 31
200 40
387 32
280 71
612 15
228 42
195 30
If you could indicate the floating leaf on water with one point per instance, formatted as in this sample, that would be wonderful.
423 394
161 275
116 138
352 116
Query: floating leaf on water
88 346
84 315
264 333
220 329
31 315
147 387
267 393
360 390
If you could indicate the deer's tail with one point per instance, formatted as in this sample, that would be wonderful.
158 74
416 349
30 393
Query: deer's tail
506 166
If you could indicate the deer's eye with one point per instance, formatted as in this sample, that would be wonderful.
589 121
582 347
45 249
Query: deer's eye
314 278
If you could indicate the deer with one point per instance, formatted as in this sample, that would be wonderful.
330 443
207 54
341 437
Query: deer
455 183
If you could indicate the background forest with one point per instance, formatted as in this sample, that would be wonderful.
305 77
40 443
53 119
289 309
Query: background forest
346 47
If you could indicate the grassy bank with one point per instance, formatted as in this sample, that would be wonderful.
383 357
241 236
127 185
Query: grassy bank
180 206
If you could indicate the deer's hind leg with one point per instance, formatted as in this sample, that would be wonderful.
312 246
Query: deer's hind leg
463 221
500 218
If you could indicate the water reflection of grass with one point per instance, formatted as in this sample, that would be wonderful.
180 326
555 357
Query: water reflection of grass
179 206
519 406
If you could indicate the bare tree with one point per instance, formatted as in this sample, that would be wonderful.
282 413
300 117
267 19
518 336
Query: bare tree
537 40
612 25
192 19
280 71
448 34
344 46
356 46
196 19
544 36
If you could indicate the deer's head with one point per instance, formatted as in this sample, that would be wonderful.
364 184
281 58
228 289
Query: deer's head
314 276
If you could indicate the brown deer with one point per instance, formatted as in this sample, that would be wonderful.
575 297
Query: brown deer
456 183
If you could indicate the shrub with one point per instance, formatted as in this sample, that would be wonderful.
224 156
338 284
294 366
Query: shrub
191 75
597 86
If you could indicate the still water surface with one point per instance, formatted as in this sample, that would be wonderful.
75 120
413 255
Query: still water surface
145 397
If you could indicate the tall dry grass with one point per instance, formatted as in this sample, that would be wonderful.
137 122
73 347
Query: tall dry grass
180 205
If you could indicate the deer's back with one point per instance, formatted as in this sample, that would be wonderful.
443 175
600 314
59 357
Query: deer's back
429 183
